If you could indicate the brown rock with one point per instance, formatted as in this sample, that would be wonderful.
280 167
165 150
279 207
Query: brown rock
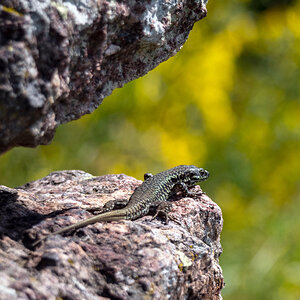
139 259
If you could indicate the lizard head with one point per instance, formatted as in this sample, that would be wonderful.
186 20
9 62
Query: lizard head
193 175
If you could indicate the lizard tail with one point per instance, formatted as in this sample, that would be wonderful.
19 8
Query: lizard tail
113 215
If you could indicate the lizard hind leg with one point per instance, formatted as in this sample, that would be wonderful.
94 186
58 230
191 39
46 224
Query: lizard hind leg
108 206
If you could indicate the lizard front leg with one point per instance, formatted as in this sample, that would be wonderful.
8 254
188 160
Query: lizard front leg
164 208
183 188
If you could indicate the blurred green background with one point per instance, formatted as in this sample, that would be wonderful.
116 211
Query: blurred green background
229 101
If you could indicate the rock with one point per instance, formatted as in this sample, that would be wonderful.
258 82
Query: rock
60 59
141 259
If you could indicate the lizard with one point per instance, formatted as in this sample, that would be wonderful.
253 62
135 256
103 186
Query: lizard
153 192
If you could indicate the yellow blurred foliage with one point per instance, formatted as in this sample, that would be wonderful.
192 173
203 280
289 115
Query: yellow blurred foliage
229 102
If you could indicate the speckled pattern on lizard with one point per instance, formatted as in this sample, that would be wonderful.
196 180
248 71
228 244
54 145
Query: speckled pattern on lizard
153 192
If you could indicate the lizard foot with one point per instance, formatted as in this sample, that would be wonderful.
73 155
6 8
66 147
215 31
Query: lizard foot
164 208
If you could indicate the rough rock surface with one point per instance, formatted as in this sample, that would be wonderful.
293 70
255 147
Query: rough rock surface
139 259
59 59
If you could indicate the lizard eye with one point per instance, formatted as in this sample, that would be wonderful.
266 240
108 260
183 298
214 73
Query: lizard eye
190 176
199 174
203 173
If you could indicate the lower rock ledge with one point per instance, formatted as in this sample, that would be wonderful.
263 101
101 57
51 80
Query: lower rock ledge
141 259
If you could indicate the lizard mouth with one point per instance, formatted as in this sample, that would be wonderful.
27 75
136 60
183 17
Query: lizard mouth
204 174
200 175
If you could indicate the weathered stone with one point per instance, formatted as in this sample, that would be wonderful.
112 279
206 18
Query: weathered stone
60 59
141 259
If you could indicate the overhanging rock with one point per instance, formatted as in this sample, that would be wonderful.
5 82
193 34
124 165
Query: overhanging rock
60 59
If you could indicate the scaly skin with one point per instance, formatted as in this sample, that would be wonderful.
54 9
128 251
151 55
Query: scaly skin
154 191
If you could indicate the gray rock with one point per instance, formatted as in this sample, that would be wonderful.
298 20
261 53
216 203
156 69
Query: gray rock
141 259
60 59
